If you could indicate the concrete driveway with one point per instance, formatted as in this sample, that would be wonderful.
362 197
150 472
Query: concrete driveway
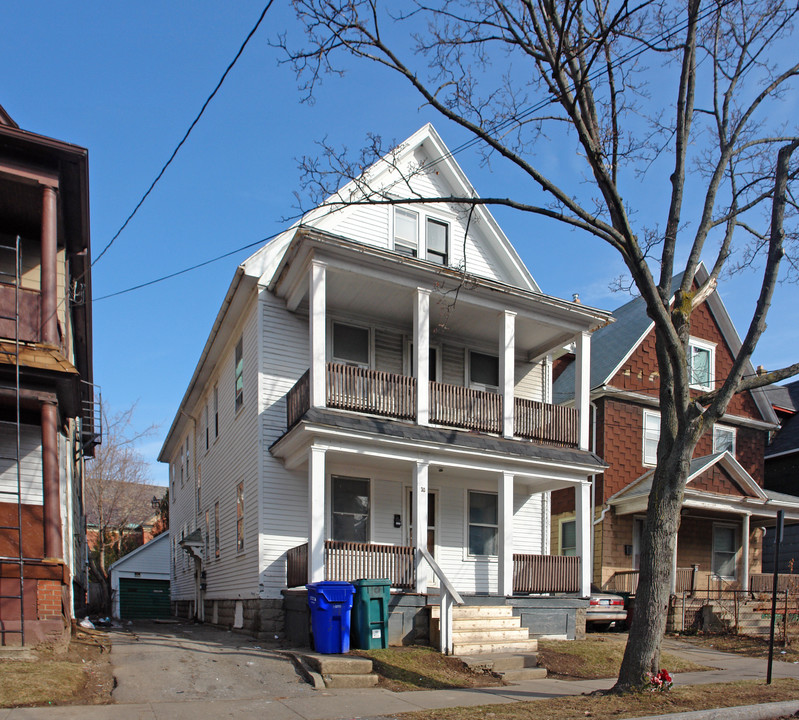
156 662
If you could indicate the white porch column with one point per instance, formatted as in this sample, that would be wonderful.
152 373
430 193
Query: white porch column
745 552
421 355
507 354
582 526
317 303
420 522
505 569
316 514
582 388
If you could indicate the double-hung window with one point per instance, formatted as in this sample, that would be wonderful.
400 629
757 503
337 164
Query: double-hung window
351 344
406 232
483 523
239 374
437 242
568 537
216 411
724 439
724 551
701 364
350 509
216 529
483 371
651 432
240 516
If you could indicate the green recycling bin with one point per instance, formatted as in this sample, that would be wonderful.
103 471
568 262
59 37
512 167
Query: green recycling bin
370 614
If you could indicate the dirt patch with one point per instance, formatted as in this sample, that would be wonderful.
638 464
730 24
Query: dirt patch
597 656
422 668
78 673
612 707
742 645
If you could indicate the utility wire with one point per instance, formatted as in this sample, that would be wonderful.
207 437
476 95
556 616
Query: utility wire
629 55
186 136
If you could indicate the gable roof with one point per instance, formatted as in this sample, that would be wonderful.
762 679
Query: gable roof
147 548
613 344
785 397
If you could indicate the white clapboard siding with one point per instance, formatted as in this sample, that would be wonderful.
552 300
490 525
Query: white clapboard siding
388 351
284 503
230 459
30 463
529 381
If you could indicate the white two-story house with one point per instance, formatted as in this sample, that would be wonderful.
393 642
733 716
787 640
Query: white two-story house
374 400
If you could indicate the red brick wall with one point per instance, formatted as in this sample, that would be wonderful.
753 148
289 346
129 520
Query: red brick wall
716 480
48 599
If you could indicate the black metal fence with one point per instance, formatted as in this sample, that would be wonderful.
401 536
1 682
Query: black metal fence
737 612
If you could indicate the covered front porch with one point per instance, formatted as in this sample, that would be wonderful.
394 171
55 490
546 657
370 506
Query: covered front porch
434 509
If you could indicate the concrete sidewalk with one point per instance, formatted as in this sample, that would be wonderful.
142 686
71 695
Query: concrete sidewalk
374 703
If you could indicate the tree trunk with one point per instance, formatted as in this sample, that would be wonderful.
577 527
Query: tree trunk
658 546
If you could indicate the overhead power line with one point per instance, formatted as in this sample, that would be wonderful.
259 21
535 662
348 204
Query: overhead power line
186 136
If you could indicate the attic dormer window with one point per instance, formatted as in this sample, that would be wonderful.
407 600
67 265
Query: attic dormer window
406 232
701 364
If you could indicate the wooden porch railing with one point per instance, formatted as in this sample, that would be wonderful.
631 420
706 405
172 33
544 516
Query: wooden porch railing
463 407
763 582
546 573
626 581
354 561
554 424
298 400
362 390
380 393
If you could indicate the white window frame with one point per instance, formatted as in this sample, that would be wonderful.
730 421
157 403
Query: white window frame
370 344
736 544
370 512
403 244
565 521
468 524
238 374
710 348
652 432
448 251
468 368
717 429
241 507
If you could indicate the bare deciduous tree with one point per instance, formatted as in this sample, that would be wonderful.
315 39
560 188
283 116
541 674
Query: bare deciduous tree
673 109
118 491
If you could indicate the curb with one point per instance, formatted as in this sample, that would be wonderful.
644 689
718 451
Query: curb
763 711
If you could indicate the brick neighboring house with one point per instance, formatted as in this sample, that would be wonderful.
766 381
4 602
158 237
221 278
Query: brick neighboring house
47 413
725 506
782 472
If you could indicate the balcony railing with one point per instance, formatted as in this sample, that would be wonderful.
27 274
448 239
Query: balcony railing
626 581
389 395
763 582
30 314
350 561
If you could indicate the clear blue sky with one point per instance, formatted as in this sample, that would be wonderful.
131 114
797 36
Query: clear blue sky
126 79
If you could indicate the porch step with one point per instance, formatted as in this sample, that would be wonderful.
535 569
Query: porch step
335 671
513 667
483 630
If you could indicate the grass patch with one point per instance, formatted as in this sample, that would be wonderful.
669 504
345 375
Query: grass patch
422 668
74 674
613 707
25 684
597 657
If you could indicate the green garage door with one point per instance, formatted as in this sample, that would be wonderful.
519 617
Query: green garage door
140 598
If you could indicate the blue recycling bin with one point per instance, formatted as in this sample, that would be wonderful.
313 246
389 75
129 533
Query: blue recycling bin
331 605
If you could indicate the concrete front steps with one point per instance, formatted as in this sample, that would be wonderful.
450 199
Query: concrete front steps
334 671
513 667
484 629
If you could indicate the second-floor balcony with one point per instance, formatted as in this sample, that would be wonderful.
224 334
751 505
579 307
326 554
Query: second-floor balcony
385 394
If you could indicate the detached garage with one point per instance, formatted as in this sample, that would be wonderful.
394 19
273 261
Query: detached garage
140 581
